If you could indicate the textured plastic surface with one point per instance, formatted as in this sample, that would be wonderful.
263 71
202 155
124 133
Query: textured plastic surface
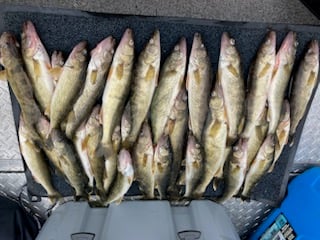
158 220
63 29
300 207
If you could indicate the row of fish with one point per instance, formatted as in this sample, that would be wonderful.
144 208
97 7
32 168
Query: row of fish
173 129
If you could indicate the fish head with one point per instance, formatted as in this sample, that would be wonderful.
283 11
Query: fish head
79 53
240 151
228 52
194 152
312 56
269 144
8 47
146 136
102 53
43 126
198 55
125 163
268 48
125 50
29 39
216 106
152 49
162 152
287 51
181 100
178 56
116 136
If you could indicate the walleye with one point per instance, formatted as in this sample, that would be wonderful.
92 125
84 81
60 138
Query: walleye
259 81
117 87
69 85
170 82
257 137
260 164
80 144
230 80
38 66
94 84
194 165
123 179
35 161
162 160
94 150
144 82
303 85
235 170
199 84
284 63
63 156
214 140
19 82
177 128
142 156
282 133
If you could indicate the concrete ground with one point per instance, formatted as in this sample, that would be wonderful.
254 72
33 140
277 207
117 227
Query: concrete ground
273 11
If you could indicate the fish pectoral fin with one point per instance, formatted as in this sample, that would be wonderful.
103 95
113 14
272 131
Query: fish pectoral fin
150 73
3 75
84 143
93 77
312 79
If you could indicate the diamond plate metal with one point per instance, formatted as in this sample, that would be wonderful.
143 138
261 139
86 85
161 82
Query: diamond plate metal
10 158
246 216
308 150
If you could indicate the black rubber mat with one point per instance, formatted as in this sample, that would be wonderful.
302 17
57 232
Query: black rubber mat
61 30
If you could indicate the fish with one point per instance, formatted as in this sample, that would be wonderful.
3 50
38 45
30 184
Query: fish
259 81
235 172
303 84
93 147
282 71
97 70
257 137
80 143
176 128
199 84
282 133
142 157
11 60
162 160
117 87
63 155
72 76
259 165
124 178
214 140
171 80
194 165
38 66
35 160
145 80
230 80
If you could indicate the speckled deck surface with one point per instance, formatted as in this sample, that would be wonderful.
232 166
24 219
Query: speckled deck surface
61 30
